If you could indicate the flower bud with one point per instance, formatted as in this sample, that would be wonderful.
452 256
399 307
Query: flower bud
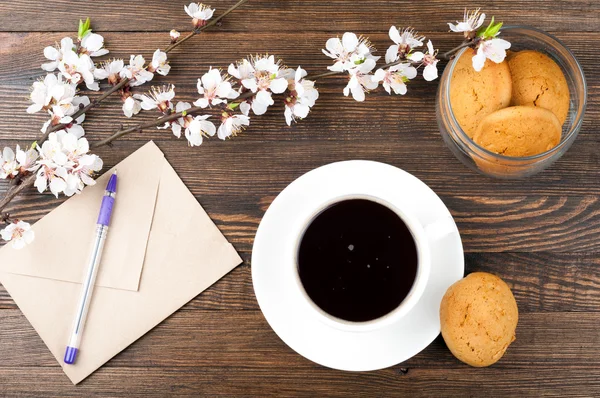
174 35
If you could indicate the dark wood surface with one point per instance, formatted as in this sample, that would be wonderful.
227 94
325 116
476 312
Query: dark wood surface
542 235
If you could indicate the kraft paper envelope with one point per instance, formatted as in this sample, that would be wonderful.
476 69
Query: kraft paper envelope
162 250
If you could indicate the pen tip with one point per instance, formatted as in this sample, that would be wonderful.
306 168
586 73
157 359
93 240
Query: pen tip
115 172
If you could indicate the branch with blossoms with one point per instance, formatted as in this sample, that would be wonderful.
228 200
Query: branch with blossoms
60 161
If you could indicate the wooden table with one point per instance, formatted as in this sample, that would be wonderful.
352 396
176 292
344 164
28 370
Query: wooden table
541 234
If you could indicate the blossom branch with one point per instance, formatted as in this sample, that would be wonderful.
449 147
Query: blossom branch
123 82
61 163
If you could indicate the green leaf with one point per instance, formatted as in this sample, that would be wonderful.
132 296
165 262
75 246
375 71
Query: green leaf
495 29
359 61
84 28
490 31
233 105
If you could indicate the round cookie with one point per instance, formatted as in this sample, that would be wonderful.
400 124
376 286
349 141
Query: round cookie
478 318
519 131
538 81
474 95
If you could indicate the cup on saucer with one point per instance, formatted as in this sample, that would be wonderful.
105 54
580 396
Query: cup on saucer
350 263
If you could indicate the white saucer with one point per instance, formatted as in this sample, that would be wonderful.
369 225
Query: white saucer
308 335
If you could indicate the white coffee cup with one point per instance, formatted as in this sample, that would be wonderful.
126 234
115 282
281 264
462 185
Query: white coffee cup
423 237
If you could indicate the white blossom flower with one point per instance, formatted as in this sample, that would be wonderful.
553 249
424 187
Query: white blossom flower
215 89
471 22
430 61
174 35
65 165
49 91
159 63
349 52
61 110
131 106
200 13
110 70
406 40
493 49
395 77
261 75
197 128
231 125
19 233
302 96
81 175
58 99
77 69
242 70
55 54
49 176
361 80
9 166
41 93
26 159
92 44
158 97
136 72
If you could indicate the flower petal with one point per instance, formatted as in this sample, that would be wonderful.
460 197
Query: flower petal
278 86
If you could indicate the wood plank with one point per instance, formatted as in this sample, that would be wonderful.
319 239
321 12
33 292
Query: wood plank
523 222
223 339
352 117
271 166
277 16
415 146
197 350
216 49
541 282
288 381
219 49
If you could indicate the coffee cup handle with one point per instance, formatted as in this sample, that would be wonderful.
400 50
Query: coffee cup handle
440 228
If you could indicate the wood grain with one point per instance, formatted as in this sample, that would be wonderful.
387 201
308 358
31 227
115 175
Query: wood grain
541 235
187 339
279 15
541 282
223 363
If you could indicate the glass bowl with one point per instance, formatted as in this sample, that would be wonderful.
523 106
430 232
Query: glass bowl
501 166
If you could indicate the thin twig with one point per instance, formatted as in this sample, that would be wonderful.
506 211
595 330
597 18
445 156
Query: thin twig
208 25
449 53
15 190
141 126
333 73
86 108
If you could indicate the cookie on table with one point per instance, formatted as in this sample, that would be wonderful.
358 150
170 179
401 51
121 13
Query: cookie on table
519 131
478 318
474 95
538 81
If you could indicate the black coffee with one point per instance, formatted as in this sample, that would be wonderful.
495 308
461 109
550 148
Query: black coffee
357 260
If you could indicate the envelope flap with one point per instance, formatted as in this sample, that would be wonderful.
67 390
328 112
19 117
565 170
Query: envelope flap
63 238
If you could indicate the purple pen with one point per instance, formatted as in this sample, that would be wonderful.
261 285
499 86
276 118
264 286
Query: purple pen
94 261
